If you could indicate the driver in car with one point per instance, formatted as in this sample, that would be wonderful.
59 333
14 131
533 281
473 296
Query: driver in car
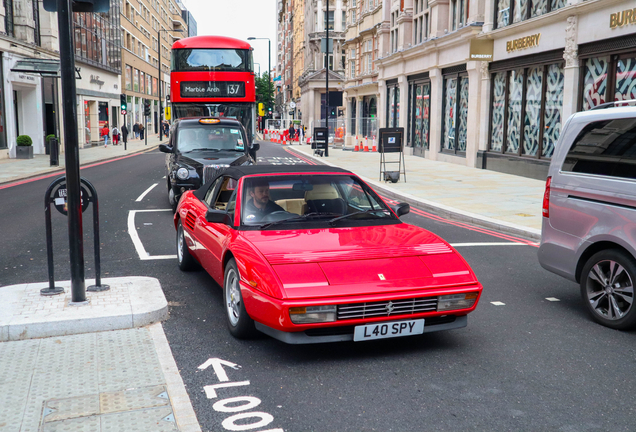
259 204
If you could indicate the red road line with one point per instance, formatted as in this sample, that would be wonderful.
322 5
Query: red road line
303 158
62 172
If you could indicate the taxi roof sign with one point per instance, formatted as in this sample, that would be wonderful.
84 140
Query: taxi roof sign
209 121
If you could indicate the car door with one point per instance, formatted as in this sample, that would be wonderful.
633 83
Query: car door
215 235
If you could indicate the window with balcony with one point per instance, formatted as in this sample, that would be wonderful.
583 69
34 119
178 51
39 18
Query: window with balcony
329 20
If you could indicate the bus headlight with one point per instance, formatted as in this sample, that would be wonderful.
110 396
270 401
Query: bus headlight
312 314
456 301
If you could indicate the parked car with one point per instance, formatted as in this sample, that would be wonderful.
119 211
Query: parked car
589 212
313 254
201 147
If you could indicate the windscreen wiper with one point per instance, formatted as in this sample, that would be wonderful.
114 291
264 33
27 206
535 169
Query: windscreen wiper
297 217
371 212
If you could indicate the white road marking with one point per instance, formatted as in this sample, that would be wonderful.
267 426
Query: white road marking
146 192
218 364
552 299
210 390
139 247
498 303
489 244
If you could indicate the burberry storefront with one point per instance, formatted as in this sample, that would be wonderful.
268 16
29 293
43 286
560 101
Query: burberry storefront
571 59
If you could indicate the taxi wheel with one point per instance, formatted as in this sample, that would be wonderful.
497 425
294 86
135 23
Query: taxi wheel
238 321
607 288
186 261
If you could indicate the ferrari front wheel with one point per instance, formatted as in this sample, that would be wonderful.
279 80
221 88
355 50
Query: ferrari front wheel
185 259
238 321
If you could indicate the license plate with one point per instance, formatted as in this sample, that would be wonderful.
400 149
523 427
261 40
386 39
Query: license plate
388 330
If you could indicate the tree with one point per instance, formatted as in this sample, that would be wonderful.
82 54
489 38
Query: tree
265 91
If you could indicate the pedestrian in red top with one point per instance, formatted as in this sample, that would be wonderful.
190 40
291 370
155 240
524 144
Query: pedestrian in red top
105 132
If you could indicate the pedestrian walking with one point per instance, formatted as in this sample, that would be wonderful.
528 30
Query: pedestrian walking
124 134
115 135
136 130
105 133
292 132
141 131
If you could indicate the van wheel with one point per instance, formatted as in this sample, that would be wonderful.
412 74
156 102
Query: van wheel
607 288
239 323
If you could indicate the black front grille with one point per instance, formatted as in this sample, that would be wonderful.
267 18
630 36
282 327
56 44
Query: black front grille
387 308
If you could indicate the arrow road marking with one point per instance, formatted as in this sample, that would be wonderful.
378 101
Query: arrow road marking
146 192
218 364
210 390
139 247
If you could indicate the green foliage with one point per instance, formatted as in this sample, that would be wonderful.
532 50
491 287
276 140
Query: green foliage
24 141
265 90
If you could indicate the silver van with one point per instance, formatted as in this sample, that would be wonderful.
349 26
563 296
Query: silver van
589 212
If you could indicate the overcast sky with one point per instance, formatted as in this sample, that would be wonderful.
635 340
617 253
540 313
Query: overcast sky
239 19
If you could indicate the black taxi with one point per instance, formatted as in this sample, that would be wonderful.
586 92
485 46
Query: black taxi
199 148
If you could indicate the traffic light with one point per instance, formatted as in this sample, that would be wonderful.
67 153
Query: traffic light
123 104
80 5
147 107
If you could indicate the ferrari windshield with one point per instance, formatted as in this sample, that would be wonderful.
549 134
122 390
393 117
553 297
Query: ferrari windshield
339 200
210 137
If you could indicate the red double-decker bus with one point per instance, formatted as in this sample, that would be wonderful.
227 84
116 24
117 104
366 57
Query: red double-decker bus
213 76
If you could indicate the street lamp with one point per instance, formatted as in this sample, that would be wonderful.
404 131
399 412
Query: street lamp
269 60
159 67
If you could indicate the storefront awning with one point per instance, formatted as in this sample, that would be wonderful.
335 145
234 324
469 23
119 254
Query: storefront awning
38 66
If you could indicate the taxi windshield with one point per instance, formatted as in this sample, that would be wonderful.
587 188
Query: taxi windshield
210 137
277 201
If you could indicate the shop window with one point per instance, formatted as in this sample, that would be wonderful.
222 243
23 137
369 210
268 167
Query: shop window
419 115
513 11
455 113
607 79
526 110
393 106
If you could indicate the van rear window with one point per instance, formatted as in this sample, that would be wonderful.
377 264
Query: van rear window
606 148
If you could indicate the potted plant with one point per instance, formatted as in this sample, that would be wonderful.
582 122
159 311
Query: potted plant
24 150
47 143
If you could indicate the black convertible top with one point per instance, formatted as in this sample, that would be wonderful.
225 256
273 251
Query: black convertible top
236 172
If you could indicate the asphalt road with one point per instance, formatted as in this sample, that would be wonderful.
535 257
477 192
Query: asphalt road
530 358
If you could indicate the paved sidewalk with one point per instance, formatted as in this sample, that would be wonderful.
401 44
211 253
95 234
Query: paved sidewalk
17 169
95 367
495 200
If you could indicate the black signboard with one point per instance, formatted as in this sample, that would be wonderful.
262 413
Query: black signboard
321 137
59 200
391 140
212 89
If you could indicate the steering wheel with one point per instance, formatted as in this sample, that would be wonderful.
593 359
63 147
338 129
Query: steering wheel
276 215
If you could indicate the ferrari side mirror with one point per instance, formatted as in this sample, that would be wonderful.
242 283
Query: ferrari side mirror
256 147
218 216
401 209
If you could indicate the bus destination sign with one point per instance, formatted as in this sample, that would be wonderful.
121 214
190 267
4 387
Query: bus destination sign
212 89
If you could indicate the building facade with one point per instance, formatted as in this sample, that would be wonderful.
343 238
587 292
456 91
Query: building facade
484 83
298 52
27 99
148 30
317 64
97 39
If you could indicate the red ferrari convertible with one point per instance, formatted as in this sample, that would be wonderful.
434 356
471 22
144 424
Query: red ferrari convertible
313 254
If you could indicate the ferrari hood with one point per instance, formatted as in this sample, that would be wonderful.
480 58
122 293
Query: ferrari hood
337 261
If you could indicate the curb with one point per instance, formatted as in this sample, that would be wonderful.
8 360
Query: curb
52 171
131 302
441 209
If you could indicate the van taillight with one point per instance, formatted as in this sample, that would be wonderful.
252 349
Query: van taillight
546 198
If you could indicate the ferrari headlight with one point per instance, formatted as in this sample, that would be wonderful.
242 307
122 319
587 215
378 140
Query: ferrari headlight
312 314
183 173
456 301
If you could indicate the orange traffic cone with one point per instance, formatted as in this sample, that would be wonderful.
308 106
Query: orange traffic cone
356 148
366 144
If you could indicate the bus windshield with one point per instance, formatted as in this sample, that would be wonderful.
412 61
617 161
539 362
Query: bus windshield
210 60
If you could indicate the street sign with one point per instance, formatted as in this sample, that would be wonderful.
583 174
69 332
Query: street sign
58 197
323 45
